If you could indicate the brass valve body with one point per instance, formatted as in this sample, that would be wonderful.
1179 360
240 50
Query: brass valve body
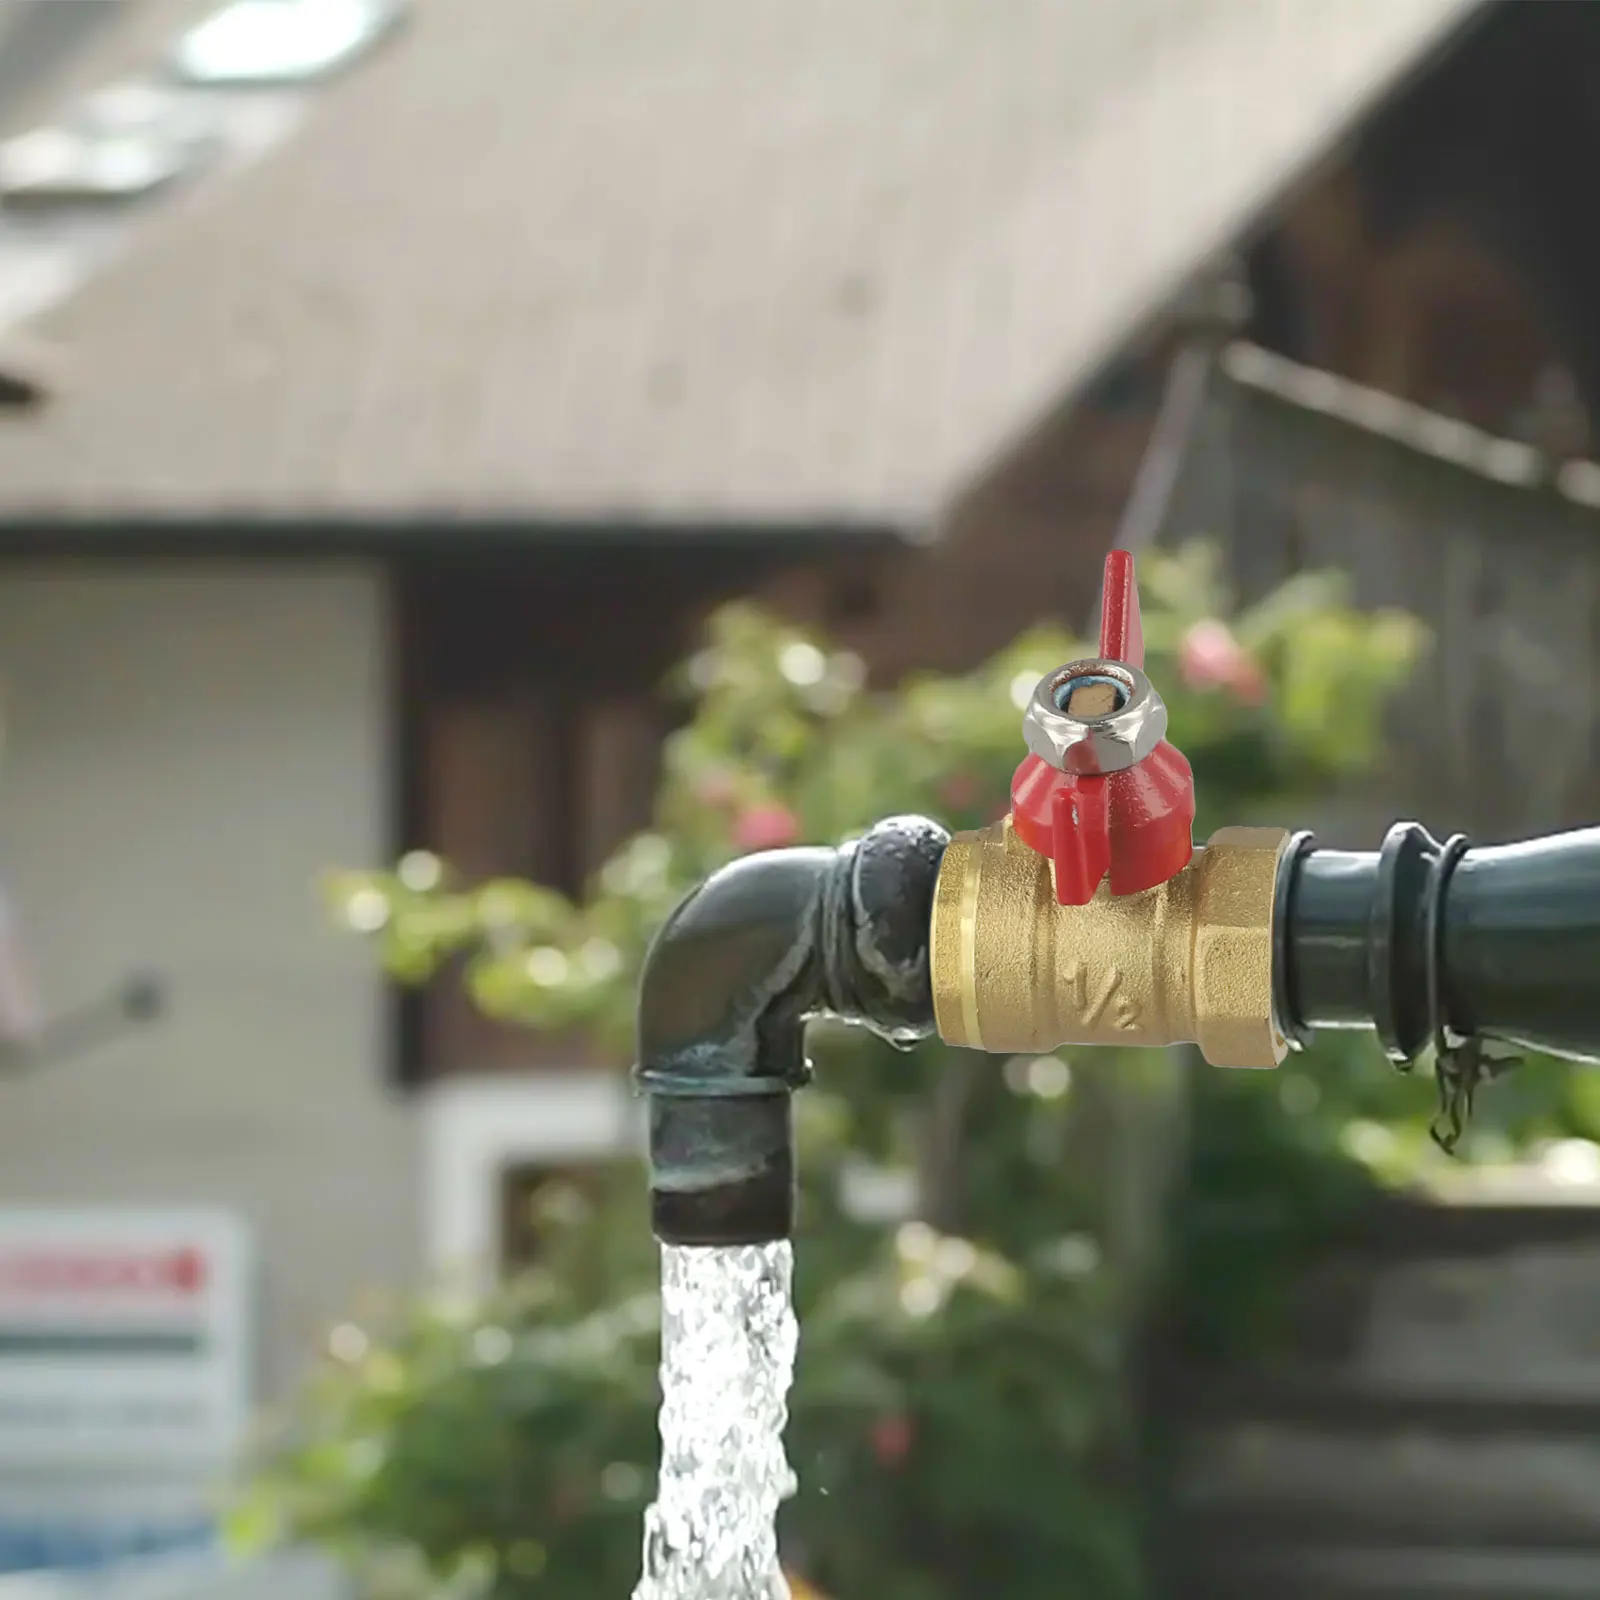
1189 961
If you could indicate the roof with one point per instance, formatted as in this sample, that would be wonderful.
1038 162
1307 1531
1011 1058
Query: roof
1263 382
799 259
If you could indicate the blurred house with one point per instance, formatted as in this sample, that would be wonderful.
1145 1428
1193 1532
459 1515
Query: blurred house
371 440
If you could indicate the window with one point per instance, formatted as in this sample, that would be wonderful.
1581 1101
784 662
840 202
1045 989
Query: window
283 41
123 143
501 1154
530 748
536 1196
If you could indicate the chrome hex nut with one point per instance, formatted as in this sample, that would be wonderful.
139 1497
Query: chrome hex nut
1094 717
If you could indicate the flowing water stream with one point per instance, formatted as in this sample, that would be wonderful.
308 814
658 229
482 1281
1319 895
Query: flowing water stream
728 1339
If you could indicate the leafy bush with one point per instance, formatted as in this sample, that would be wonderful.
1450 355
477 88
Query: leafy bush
959 1419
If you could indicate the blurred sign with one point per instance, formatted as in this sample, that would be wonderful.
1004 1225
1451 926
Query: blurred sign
124 1340
75 1527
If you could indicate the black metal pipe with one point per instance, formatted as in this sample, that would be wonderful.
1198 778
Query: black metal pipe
1423 939
728 985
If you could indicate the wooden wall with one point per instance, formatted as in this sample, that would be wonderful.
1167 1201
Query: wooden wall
533 721
1429 1435
1495 549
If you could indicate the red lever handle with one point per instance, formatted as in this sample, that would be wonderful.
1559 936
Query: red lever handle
1133 827
1121 629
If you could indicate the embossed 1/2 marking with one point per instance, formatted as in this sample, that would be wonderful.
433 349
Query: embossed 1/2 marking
1111 994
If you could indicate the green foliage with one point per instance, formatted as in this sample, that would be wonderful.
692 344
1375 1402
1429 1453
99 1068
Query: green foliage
957 1421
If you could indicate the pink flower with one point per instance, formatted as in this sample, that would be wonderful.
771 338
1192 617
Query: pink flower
768 827
892 1437
1211 658
1250 684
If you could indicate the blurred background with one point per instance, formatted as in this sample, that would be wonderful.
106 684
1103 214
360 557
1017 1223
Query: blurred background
560 445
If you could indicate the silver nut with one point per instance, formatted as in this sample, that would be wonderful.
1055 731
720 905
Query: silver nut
1118 717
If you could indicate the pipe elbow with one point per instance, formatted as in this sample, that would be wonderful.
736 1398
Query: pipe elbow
728 985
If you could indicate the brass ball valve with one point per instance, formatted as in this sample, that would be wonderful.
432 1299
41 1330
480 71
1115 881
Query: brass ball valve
1088 916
